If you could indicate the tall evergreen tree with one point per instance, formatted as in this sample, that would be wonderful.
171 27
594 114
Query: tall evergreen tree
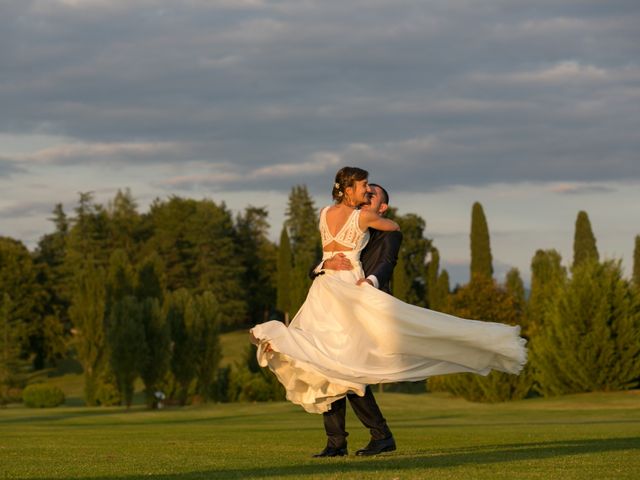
433 268
636 262
124 222
55 281
302 223
591 338
87 314
258 256
442 291
584 242
283 302
481 259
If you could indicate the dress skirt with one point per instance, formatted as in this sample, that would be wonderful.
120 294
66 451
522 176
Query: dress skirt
345 337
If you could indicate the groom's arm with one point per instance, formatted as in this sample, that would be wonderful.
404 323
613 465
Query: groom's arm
383 269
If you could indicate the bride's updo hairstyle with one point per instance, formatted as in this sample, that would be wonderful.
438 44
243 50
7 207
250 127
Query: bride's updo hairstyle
346 177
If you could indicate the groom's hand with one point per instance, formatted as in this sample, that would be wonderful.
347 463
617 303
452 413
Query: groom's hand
338 262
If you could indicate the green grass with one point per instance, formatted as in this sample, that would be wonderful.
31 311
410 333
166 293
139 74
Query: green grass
591 436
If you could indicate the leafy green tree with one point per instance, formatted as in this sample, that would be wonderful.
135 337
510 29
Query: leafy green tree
203 323
302 223
584 242
591 338
413 252
481 258
547 279
400 283
19 279
515 286
483 299
283 302
636 262
259 259
150 279
126 344
198 244
184 356
87 314
12 333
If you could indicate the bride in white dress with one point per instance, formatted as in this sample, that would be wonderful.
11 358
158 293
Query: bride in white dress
348 334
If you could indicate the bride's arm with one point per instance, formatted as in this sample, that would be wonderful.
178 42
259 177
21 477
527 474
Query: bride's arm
369 219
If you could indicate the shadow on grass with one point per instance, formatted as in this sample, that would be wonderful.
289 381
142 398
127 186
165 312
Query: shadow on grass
489 454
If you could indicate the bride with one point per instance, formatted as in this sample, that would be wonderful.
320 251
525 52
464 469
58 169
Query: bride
348 334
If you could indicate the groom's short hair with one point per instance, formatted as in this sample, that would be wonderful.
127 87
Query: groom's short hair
384 192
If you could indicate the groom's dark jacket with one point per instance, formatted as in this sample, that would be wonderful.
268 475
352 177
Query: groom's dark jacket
379 256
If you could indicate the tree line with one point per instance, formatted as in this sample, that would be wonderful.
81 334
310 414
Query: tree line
145 296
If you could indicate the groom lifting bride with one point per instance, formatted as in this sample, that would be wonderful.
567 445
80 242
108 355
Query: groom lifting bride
351 333
378 260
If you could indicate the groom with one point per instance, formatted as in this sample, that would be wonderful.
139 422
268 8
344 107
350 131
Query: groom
378 259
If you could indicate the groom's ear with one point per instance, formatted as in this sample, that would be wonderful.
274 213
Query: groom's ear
383 208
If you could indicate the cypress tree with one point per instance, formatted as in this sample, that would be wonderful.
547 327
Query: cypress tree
591 338
442 291
636 262
481 259
432 279
584 242
283 302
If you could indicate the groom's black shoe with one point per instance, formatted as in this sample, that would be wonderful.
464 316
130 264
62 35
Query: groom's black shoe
377 446
332 452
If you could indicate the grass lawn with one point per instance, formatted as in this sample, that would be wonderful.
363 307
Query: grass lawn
591 436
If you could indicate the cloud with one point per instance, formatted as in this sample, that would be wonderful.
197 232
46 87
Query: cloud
580 189
83 153
263 94
25 209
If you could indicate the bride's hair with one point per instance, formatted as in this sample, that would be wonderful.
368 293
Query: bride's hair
346 177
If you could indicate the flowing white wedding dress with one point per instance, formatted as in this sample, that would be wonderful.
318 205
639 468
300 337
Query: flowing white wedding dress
345 336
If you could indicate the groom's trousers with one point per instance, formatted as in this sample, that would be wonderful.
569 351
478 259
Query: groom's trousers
365 408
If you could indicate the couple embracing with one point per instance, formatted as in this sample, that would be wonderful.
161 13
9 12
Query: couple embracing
351 333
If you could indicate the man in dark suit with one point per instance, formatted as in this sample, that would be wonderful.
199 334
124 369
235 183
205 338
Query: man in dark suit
378 259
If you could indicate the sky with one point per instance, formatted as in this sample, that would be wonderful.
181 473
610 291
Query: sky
531 108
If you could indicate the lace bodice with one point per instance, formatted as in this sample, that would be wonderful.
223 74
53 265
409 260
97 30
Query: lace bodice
349 235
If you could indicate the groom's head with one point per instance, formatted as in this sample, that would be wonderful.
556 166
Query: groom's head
377 199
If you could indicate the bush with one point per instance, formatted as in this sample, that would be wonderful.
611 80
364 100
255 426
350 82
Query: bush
41 395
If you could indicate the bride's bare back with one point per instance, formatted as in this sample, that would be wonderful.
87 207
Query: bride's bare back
344 226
